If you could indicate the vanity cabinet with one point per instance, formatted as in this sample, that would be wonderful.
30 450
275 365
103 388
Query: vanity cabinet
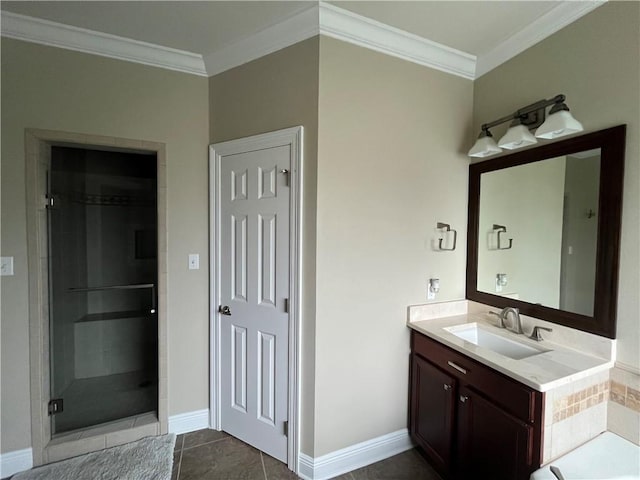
469 420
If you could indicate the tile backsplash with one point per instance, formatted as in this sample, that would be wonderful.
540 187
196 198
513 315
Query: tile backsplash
578 412
574 414
623 413
625 395
574 403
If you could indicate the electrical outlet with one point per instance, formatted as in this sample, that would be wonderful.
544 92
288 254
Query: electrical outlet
433 287
194 261
6 266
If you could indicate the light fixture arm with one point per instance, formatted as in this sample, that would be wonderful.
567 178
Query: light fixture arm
524 112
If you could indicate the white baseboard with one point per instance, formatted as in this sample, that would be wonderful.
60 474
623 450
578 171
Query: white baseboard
353 457
189 422
16 461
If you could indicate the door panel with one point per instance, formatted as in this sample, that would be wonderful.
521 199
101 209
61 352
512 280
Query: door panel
432 424
493 444
254 283
266 379
239 368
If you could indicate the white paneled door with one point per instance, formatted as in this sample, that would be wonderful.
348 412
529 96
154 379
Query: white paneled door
254 238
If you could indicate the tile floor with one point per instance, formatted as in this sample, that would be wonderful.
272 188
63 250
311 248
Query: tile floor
213 455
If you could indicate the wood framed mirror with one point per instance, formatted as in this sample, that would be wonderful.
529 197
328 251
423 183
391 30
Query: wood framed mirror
544 230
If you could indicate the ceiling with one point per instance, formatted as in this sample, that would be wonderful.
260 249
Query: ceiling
210 28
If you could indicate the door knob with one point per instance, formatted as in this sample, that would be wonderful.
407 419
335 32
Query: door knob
224 310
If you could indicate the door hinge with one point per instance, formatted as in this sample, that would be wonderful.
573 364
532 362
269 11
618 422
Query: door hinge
48 202
56 405
285 172
286 428
286 305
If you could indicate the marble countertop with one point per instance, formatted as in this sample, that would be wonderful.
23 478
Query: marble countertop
545 371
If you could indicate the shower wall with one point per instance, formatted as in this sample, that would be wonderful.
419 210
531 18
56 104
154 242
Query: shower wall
112 338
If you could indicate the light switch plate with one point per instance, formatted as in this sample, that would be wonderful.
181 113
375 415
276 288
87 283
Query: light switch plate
194 261
6 266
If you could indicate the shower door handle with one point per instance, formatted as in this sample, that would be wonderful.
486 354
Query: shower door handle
224 310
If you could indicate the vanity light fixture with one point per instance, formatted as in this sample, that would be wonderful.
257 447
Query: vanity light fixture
517 136
485 146
559 123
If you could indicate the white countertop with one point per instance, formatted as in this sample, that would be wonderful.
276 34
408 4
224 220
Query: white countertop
558 366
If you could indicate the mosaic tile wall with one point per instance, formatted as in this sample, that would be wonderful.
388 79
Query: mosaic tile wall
574 403
623 414
625 395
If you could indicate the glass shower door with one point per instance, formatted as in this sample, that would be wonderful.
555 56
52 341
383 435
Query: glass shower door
103 277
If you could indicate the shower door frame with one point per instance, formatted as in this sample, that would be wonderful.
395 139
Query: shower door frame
38 145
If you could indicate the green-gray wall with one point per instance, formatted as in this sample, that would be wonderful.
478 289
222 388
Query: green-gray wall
55 89
596 63
392 163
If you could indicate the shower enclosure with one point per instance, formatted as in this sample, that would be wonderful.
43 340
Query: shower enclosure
103 270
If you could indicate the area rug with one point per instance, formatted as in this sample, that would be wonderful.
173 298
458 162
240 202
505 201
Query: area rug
148 459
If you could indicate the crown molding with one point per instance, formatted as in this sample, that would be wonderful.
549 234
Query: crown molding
353 28
335 22
45 32
557 18
321 19
283 34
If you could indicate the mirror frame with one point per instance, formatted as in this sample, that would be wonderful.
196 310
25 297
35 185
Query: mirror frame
611 141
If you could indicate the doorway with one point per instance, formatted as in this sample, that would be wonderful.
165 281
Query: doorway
255 290
96 223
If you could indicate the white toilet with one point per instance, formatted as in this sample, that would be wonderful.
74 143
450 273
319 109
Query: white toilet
606 457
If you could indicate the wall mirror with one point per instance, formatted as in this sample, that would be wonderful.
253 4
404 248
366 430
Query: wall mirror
544 230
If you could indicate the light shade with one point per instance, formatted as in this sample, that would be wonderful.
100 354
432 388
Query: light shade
559 124
517 136
485 146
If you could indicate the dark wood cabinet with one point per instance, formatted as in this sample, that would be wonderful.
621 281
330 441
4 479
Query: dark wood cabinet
433 402
491 443
469 420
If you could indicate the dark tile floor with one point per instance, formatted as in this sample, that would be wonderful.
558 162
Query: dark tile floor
213 455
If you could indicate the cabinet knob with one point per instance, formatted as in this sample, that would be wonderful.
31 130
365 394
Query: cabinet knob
463 398
447 387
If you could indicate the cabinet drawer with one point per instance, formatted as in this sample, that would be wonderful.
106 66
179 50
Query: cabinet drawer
511 395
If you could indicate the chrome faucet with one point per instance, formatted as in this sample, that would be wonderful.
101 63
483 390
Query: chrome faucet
500 319
535 334
516 326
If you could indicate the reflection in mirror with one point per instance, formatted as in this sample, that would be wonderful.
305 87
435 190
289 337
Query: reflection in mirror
549 210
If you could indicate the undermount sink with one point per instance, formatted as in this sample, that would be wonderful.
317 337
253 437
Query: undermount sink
482 337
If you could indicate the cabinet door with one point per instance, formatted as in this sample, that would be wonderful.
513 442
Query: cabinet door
432 406
492 443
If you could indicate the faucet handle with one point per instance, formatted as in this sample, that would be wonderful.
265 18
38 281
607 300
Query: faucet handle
535 335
